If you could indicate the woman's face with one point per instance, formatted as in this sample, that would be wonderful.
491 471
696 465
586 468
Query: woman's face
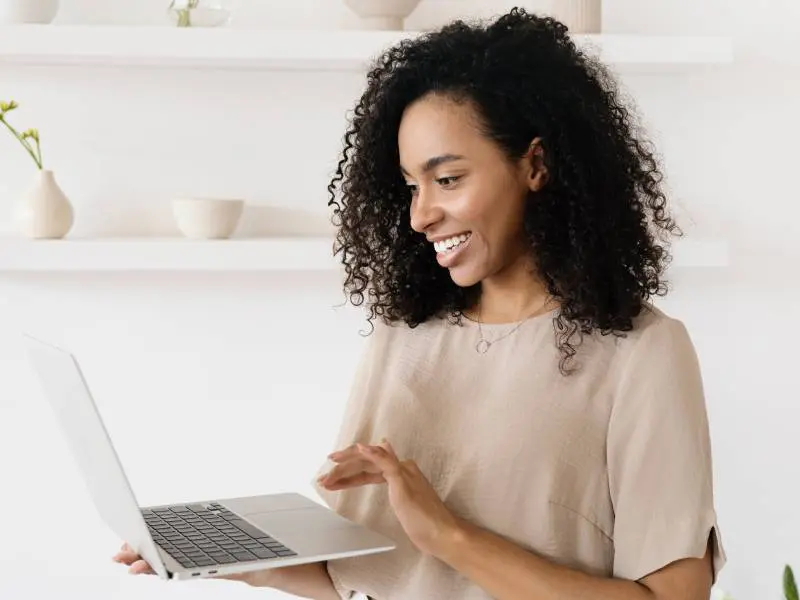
467 198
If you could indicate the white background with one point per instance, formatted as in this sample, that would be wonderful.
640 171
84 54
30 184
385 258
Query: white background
231 385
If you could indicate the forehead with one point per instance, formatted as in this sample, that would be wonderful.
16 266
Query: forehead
435 125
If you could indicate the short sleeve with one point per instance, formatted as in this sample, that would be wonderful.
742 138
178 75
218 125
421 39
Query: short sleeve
659 456
344 592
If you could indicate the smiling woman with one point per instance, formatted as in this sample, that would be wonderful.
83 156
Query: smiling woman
502 217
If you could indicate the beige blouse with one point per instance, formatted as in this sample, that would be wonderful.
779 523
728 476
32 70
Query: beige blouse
608 471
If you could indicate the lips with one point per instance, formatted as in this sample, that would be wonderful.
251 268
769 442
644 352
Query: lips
451 243
454 249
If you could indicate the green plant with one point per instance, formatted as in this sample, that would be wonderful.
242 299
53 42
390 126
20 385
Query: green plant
24 137
789 584
185 13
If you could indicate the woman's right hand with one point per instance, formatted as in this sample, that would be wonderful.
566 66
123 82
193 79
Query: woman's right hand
306 581
138 566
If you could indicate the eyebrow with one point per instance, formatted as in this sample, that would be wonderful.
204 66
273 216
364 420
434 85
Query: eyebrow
432 163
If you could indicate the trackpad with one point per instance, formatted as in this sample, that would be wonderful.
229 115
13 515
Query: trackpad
283 522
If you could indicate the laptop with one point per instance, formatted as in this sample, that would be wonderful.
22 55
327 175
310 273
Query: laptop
191 540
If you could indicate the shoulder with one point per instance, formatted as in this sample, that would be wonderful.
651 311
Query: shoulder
658 353
657 341
655 330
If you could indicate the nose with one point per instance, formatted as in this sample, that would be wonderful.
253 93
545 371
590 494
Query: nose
425 212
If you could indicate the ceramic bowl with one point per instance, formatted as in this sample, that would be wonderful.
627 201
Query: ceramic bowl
382 14
28 11
207 218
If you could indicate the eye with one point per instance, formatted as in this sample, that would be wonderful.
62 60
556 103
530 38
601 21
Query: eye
447 181
412 188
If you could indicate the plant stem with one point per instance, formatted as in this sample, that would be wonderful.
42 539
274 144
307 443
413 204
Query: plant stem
184 20
27 147
185 14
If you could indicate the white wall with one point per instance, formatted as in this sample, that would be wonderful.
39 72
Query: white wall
265 360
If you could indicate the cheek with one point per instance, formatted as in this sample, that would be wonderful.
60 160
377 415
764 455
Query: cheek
475 211
496 219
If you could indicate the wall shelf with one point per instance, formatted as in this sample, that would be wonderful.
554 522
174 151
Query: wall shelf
245 254
157 46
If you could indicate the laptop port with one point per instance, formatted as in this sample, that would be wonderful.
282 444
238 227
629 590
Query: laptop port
195 574
212 572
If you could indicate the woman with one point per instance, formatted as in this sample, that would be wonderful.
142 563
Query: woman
524 423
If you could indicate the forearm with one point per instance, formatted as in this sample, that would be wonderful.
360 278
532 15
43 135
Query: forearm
509 572
305 581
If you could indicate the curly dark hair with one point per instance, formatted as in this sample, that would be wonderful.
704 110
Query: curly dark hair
597 230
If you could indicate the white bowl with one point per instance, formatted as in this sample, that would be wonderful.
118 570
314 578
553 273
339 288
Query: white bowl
383 14
207 218
28 11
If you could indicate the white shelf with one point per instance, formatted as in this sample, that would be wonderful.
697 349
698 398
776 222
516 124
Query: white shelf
300 50
166 254
269 254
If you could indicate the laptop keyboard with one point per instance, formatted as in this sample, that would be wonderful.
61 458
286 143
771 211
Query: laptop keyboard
200 535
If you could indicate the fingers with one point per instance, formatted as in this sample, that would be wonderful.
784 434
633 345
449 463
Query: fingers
382 458
358 462
355 480
347 469
137 566
126 557
352 451
141 567
388 447
343 455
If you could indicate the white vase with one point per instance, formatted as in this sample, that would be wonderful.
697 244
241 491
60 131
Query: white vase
28 11
580 16
45 211
382 14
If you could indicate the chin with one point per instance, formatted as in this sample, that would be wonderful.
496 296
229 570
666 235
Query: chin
465 277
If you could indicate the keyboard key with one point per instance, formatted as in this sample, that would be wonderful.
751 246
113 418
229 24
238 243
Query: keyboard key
244 526
263 553
243 555
286 552
180 509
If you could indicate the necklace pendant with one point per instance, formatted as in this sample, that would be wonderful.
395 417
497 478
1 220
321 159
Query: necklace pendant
482 347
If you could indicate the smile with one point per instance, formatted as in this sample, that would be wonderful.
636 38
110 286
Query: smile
451 244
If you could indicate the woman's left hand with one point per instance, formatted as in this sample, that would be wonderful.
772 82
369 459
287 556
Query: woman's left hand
424 517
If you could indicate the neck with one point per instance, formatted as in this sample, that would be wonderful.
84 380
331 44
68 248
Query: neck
514 294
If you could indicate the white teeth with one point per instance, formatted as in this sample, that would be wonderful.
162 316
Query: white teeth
450 243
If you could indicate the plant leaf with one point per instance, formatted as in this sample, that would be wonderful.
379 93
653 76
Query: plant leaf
789 584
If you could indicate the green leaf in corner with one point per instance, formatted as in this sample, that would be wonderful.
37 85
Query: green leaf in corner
789 584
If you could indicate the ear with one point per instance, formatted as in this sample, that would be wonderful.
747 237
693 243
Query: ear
535 170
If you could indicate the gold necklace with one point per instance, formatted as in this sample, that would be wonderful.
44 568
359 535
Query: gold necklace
483 345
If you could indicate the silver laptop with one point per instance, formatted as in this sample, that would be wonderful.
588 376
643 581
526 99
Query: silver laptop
198 539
